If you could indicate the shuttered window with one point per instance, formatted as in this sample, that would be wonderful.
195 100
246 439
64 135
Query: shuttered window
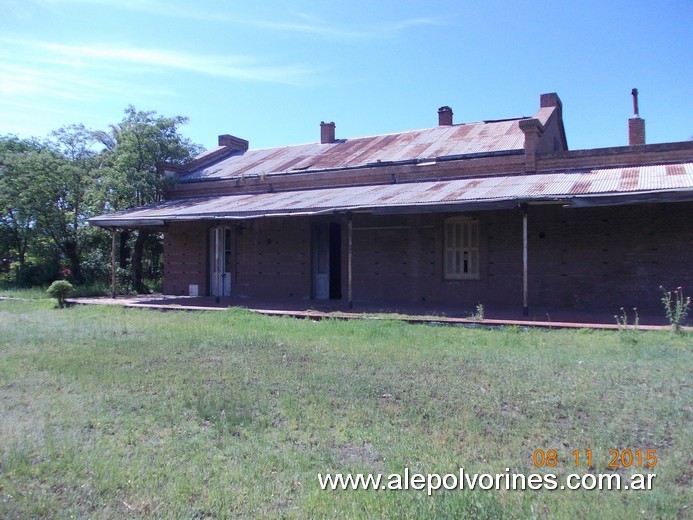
461 248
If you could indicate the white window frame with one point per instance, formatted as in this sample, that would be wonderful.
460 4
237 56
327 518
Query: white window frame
461 248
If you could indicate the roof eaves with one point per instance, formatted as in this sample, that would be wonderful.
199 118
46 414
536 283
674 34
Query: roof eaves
557 188
642 197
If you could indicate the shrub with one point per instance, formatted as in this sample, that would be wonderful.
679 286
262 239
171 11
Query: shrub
60 289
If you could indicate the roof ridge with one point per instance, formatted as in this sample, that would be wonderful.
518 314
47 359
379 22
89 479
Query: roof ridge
373 136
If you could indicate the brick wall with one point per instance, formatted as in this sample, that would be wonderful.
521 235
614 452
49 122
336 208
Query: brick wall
273 259
586 258
185 258
636 131
615 256
578 257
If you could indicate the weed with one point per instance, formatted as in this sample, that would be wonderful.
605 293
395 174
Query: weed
222 410
478 313
676 307
622 320
629 333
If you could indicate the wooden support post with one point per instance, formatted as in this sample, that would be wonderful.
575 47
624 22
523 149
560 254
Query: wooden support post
113 263
216 262
350 229
525 282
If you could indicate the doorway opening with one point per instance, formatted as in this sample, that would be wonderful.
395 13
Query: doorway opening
220 261
327 261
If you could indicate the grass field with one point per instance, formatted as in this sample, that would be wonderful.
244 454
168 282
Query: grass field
110 413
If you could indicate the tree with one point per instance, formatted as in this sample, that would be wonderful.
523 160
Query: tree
130 178
49 187
62 194
22 163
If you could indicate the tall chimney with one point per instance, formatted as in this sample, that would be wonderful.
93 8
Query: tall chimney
636 125
444 116
327 132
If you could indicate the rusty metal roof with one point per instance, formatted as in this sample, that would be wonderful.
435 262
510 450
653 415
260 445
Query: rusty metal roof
576 187
486 137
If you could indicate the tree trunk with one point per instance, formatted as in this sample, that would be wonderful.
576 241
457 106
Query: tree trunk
137 256
124 252
21 270
73 257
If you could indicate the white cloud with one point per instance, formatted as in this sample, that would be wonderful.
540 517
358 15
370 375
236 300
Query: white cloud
236 67
40 79
125 60
304 23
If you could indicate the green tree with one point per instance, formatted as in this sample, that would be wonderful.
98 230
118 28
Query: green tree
130 178
62 195
25 165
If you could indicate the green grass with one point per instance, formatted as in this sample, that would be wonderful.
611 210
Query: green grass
107 412
9 291
33 293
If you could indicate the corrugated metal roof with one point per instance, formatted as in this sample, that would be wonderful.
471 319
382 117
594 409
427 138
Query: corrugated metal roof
430 143
566 185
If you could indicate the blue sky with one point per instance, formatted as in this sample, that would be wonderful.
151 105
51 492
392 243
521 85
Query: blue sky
269 72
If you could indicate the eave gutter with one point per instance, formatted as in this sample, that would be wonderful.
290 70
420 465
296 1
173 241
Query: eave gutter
110 223
643 197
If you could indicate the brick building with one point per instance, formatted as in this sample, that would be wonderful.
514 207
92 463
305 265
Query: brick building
498 212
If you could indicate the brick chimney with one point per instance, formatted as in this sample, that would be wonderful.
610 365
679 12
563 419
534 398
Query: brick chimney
550 100
533 129
636 125
445 116
233 142
327 132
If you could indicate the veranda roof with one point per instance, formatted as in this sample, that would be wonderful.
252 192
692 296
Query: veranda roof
577 188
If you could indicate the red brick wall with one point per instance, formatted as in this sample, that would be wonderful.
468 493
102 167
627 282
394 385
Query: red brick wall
185 258
273 259
583 257
636 131
394 258
615 256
